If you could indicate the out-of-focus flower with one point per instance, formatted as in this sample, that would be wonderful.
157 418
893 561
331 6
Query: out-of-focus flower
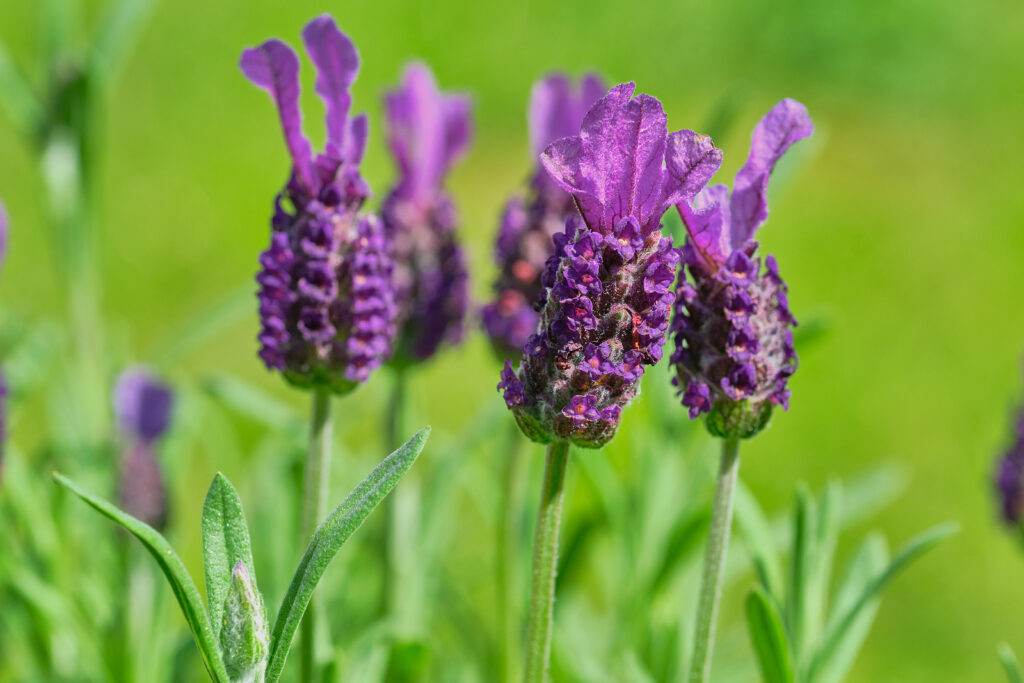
143 407
1009 477
428 131
733 327
608 283
326 296
526 232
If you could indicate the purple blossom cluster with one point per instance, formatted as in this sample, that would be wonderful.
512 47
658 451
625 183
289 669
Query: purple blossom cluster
1009 477
527 228
143 406
326 301
607 286
428 131
733 327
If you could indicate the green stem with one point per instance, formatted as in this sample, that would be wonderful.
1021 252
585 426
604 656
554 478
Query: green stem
545 564
390 560
315 489
506 579
714 562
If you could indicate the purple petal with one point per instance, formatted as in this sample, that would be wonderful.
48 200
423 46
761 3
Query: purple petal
427 130
274 67
548 115
785 124
707 224
614 168
691 160
337 64
355 140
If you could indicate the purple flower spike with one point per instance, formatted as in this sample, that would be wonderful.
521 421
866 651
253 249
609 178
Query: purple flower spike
326 295
142 405
599 337
428 131
526 232
1009 476
143 408
733 327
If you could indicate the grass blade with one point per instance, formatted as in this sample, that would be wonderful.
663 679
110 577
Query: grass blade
1010 665
171 565
329 538
768 638
225 543
914 548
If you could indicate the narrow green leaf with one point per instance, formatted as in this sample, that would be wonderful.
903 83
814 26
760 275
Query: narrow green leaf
121 27
914 548
820 577
225 543
171 565
250 401
16 95
870 558
1010 665
800 567
756 530
329 538
768 638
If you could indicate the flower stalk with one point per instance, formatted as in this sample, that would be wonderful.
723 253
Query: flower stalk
540 622
316 487
714 562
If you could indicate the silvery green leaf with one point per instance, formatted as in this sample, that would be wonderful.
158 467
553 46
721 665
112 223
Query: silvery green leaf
800 567
913 549
16 95
826 533
768 638
1010 665
244 636
869 559
225 544
329 538
171 565
121 26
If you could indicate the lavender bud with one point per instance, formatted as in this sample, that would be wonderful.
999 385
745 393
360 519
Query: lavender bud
607 294
525 235
427 133
326 295
733 327
244 634
142 407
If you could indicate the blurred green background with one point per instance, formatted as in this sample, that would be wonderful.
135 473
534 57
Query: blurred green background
899 227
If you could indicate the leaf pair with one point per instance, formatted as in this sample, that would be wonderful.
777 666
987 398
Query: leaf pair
226 544
791 636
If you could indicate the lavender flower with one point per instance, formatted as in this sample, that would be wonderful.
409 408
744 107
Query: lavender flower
326 298
527 228
427 132
142 409
1009 477
733 327
607 294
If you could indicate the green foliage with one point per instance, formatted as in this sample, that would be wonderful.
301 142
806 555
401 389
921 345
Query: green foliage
235 602
171 565
822 639
1010 665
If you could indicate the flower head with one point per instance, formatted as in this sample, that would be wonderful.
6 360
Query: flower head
1009 476
143 407
428 131
524 241
605 310
326 299
733 328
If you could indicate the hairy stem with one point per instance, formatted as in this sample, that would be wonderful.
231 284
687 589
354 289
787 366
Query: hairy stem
714 562
315 489
545 564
